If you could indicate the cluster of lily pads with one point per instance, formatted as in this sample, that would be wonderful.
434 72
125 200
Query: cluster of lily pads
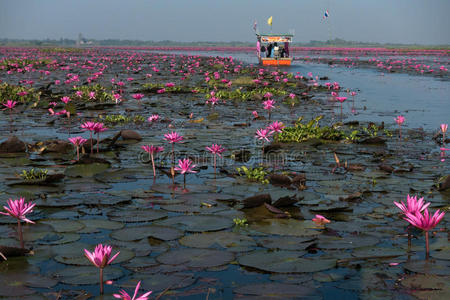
177 122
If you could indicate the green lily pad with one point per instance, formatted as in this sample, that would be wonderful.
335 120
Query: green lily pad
81 275
161 282
275 290
429 267
377 252
79 259
230 240
86 170
94 225
133 216
285 262
428 286
284 227
198 223
348 242
285 242
196 258
134 233
64 225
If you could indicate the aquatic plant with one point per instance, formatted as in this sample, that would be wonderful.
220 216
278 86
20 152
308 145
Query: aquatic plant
185 166
303 132
173 138
93 93
320 220
19 209
152 150
78 142
240 222
17 93
38 174
215 149
89 126
98 127
444 128
123 295
426 222
112 120
254 174
269 105
399 120
101 257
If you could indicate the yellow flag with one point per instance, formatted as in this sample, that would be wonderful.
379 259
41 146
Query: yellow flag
269 21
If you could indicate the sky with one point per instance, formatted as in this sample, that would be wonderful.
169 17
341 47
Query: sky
382 21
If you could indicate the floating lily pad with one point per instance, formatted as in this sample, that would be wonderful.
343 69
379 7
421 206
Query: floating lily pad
285 262
132 216
64 225
377 252
230 240
289 227
274 290
348 242
429 267
134 233
79 259
196 258
86 170
285 242
428 286
161 282
81 275
94 225
198 223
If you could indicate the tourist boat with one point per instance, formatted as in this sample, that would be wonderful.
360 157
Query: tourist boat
273 49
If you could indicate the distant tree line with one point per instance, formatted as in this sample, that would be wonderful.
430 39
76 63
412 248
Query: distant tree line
62 42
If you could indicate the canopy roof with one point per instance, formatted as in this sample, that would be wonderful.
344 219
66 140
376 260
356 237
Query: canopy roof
272 37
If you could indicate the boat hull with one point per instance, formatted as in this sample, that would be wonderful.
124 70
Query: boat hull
275 62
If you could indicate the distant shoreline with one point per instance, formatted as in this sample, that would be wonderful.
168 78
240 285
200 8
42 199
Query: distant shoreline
336 43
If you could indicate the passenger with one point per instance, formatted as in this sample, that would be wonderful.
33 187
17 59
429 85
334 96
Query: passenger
269 50
276 50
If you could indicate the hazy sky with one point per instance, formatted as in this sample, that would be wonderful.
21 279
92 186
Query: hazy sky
391 21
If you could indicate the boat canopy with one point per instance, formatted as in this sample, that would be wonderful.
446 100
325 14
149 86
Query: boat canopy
274 38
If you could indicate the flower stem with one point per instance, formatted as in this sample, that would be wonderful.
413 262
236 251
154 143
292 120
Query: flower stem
19 228
98 141
214 164
153 165
101 281
427 245
184 181
92 149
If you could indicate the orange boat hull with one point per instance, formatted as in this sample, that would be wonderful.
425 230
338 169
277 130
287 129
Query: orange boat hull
276 62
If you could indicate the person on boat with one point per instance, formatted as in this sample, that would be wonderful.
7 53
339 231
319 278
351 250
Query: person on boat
276 50
269 50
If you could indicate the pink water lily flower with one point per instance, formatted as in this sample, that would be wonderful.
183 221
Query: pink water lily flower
138 96
400 119
9 104
77 142
65 99
412 205
263 134
153 118
426 222
276 127
91 95
101 257
173 137
216 149
124 295
19 209
185 166
320 220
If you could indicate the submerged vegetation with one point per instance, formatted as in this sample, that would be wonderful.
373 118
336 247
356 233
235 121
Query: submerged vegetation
34 174
258 174
302 132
